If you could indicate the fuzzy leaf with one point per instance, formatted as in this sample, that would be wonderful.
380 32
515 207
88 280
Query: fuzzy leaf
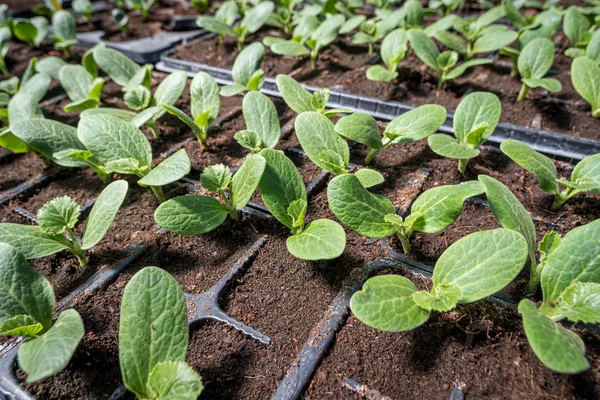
538 164
175 381
361 128
295 96
585 75
447 146
169 170
216 178
261 118
57 215
587 174
322 239
369 177
20 325
30 240
424 48
204 94
475 110
416 124
536 58
246 179
191 215
103 213
115 64
247 62
316 134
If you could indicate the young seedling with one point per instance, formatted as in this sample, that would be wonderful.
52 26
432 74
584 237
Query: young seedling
571 290
284 16
31 31
312 41
475 120
246 72
26 311
445 5
142 6
584 178
205 103
590 50
122 148
301 100
370 32
64 30
585 75
57 218
283 192
197 215
374 216
82 88
479 35
444 63
83 7
201 5
121 19
153 338
577 28
411 126
5 36
471 269
253 20
227 14
533 64
393 49
262 123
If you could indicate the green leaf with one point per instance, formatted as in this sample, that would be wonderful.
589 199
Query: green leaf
585 75
558 348
24 30
57 215
64 25
115 64
295 96
316 134
462 68
138 98
379 73
153 327
81 105
575 259
538 164
509 212
481 263
289 48
261 118
184 118
581 302
36 86
424 48
216 178
369 177
249 140
386 302
142 77
191 215
319 99
26 291
416 124
587 173
494 40
175 381
110 138
20 325
246 179
41 26
393 47
447 146
125 166
170 90
48 354
443 298
361 128
548 244
247 62
442 205
297 210
23 107
232 90
125 115
322 239
536 58
575 25
51 66
549 84
280 185
352 23
359 209
49 137
214 25
103 213
333 162
204 94
169 170
30 240
475 110
451 41
256 17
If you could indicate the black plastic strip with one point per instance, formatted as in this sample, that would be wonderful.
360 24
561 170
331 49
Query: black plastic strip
10 194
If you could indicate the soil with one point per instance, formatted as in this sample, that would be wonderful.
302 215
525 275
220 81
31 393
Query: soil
19 54
20 5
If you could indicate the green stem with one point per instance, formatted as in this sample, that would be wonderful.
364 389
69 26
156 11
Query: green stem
370 156
523 92
562 197
4 69
405 244
234 215
313 61
370 48
462 165
535 273
158 192
77 248
152 126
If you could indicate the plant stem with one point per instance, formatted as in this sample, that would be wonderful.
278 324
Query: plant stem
158 192
4 69
523 92
370 156
370 48
462 165
562 197
77 248
234 215
313 61
405 244
152 126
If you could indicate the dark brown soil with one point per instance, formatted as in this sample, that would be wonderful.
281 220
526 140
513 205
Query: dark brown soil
19 54
19 5
15 169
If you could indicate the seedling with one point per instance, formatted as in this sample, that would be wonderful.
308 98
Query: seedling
478 36
64 28
283 192
83 7
122 148
571 290
393 49
121 19
227 14
533 64
57 218
262 123
154 310
31 31
205 103
370 32
82 88
246 72
301 100
284 16
253 20
411 126
590 50
475 120
311 42
197 215
142 6
577 28
444 63
201 5
584 178
26 311
5 36
374 216
471 269
445 5
585 75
